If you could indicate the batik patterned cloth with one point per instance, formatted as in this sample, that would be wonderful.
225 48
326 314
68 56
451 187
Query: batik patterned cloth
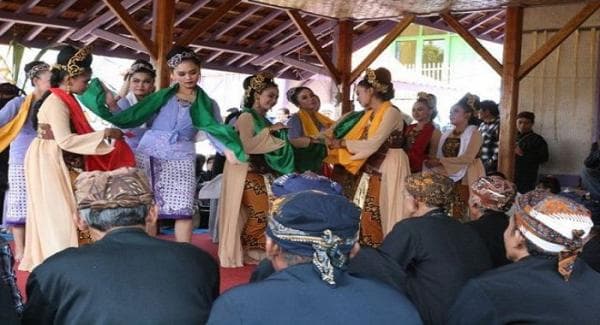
493 193
554 225
256 201
16 197
173 183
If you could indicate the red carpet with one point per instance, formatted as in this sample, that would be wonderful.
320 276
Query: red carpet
230 277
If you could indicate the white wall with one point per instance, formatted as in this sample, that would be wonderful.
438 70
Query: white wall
562 90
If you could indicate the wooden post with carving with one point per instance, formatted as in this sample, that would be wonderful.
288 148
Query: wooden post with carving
343 61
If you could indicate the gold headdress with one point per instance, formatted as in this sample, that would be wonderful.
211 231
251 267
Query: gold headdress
471 99
372 80
72 67
258 82
429 98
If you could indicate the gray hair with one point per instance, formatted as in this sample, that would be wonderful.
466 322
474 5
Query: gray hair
105 219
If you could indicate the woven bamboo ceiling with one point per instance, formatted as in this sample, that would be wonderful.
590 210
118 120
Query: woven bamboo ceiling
246 36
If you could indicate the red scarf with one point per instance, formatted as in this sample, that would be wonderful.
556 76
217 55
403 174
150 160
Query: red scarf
121 156
419 149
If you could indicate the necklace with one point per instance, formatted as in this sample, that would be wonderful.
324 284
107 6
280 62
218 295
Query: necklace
190 98
457 133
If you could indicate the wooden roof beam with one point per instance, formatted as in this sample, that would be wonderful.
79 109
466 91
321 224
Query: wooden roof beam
201 27
485 20
493 28
387 40
23 9
293 44
314 44
38 20
99 21
293 33
473 42
191 11
541 53
302 65
248 31
53 14
234 22
118 39
132 26
130 11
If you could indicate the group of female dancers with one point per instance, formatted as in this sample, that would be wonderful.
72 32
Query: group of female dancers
368 152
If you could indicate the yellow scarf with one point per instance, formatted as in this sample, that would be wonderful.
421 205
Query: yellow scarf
10 131
309 127
342 156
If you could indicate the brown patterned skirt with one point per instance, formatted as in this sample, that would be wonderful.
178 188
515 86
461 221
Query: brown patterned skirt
256 202
371 232
460 205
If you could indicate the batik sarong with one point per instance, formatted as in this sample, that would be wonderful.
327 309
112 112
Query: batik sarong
367 198
16 196
256 202
173 183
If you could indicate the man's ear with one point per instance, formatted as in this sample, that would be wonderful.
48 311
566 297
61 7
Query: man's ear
79 222
152 216
271 248
354 250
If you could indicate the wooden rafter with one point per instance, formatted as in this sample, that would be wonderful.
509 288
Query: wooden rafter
132 26
189 12
485 20
23 9
251 29
118 39
99 21
227 27
385 42
541 53
55 13
302 65
38 21
201 27
473 42
291 45
314 44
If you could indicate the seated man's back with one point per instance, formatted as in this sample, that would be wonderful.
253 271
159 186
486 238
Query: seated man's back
296 295
127 277
530 291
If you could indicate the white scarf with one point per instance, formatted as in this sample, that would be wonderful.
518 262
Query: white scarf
465 139
131 98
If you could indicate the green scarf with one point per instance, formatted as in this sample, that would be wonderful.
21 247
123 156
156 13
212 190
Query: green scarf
200 112
343 127
282 159
310 158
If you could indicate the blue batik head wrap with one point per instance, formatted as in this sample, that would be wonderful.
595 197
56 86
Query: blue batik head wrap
317 224
295 182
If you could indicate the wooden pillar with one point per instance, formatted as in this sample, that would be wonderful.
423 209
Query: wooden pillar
343 62
162 34
509 99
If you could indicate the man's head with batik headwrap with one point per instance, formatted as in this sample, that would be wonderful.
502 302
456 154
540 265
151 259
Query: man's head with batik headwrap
428 190
118 198
492 193
547 224
313 227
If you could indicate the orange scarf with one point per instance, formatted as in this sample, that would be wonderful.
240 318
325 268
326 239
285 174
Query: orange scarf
369 123
309 127
10 131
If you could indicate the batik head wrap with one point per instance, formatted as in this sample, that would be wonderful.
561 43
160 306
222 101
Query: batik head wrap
296 182
434 189
121 188
554 225
493 193
313 223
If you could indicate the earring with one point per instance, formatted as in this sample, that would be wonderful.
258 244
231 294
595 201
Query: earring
69 87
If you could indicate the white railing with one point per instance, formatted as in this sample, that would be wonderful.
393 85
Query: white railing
437 71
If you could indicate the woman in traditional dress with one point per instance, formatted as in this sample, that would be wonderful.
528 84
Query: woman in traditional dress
49 159
457 153
244 202
421 139
305 130
369 145
167 151
16 129
139 81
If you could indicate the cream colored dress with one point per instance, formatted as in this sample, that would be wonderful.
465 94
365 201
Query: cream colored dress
50 200
469 159
394 169
232 215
